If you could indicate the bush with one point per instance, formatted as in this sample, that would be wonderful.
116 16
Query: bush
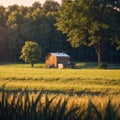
102 66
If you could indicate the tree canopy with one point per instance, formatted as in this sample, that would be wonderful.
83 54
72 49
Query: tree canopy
50 6
89 22
31 52
84 23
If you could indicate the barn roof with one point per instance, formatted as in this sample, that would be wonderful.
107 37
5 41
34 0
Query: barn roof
62 54
58 54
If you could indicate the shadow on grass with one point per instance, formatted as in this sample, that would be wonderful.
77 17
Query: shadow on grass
86 65
92 65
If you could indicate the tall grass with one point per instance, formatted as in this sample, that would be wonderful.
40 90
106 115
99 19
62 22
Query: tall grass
25 105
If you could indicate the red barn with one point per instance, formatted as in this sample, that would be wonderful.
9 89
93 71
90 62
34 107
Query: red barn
53 59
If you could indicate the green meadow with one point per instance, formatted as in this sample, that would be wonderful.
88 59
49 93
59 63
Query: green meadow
81 81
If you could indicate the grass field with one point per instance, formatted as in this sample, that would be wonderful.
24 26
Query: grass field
85 93
80 81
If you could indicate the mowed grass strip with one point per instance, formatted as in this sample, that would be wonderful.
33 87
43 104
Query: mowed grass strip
20 76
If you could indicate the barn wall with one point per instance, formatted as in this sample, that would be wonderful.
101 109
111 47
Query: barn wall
63 59
51 60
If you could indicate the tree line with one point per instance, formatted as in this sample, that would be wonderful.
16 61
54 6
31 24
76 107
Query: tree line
41 24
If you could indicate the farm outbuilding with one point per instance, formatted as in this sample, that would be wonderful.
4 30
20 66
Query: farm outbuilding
56 59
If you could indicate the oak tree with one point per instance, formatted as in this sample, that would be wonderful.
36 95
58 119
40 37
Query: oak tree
87 22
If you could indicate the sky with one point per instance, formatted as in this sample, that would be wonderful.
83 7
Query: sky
6 3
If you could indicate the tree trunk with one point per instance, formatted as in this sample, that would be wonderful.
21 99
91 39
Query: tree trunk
98 51
32 64
99 57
